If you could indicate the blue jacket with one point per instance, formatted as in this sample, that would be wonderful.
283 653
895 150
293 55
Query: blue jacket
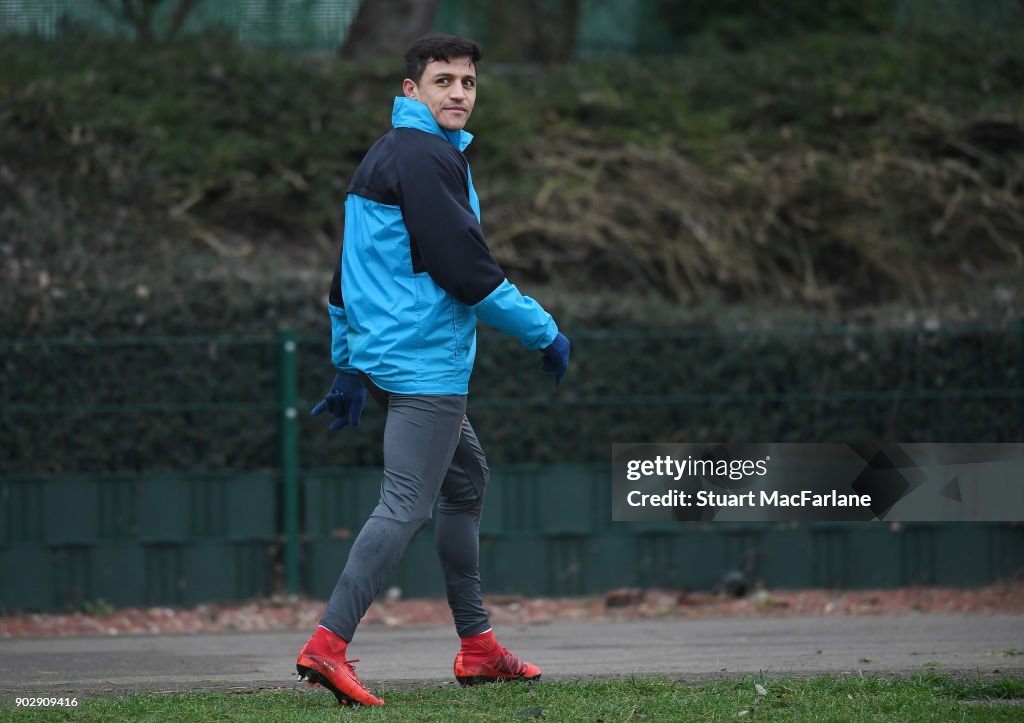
415 273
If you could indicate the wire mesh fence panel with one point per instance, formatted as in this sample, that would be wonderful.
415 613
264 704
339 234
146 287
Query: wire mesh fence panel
212 403
133 469
810 386
83 406
306 25
603 27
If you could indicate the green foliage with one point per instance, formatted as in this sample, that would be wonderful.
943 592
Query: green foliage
178 404
205 122
196 187
740 23
99 606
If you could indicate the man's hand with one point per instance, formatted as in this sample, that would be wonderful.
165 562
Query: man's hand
345 401
556 357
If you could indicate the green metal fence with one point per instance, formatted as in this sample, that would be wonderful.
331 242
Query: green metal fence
606 27
173 471
306 25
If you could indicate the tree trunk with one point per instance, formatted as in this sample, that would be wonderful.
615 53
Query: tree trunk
566 32
534 31
387 27
179 17
514 38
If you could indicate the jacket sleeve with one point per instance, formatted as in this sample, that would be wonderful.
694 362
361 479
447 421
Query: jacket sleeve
509 311
446 236
339 326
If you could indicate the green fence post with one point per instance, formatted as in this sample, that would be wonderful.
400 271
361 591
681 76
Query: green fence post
1020 382
289 384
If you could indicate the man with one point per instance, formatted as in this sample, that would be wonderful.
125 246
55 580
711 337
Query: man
415 276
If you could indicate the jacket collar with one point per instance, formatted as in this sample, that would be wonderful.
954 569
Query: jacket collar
410 113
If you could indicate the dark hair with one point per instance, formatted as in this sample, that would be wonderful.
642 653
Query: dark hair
438 46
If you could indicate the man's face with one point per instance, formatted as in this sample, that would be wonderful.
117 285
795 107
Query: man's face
448 88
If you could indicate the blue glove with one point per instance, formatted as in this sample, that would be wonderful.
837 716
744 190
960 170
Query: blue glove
556 357
345 401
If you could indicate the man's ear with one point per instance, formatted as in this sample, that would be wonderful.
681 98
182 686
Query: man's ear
410 89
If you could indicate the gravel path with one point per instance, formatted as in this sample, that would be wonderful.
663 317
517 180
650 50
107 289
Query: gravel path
682 648
620 605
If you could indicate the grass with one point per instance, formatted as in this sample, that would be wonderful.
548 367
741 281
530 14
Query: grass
926 698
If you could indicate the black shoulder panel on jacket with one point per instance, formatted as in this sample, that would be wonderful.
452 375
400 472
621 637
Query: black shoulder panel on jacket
375 178
445 235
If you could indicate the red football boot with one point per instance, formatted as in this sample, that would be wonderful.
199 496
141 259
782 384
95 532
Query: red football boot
322 662
482 660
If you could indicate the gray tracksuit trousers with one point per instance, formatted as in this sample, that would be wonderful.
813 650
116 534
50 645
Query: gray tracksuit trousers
430 449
